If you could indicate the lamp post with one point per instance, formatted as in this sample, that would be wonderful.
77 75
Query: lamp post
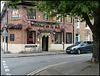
63 38
54 32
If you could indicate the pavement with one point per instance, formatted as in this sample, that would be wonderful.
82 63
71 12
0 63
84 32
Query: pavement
9 55
75 68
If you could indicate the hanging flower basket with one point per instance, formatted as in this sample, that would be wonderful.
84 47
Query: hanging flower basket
11 26
62 30
28 28
2 28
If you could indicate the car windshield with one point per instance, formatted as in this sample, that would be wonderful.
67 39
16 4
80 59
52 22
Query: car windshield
77 43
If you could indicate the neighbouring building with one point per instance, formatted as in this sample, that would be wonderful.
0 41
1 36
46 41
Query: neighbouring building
26 30
82 32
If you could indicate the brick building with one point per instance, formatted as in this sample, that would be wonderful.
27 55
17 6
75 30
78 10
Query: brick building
48 34
82 32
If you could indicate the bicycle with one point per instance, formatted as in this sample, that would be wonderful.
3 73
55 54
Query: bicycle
38 49
33 49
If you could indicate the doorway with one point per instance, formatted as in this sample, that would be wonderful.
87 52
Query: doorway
45 43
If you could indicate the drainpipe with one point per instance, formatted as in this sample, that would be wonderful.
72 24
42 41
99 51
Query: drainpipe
73 29
63 39
7 30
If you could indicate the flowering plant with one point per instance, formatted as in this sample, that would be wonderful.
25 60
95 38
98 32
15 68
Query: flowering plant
11 26
62 30
28 28
2 28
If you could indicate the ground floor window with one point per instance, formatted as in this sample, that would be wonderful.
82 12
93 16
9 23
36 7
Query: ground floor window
87 37
58 38
31 37
11 37
68 38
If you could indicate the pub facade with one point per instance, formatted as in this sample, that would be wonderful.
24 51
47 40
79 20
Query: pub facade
27 30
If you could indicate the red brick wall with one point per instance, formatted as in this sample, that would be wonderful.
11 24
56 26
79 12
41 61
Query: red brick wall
21 35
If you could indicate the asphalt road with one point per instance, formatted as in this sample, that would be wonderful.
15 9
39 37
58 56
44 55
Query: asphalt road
26 65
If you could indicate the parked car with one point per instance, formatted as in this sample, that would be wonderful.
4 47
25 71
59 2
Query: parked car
80 47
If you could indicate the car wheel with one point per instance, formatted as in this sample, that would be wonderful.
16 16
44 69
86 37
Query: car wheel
79 51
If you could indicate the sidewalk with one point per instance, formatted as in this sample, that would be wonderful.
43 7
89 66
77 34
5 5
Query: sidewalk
73 68
9 55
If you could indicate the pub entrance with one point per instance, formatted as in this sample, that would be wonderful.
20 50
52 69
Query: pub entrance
45 43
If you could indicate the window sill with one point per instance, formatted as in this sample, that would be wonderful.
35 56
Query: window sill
87 28
78 27
14 19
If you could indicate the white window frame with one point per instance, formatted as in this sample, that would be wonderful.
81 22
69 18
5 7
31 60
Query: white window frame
78 24
46 18
87 37
59 20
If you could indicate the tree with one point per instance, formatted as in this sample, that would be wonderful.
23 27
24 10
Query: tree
87 10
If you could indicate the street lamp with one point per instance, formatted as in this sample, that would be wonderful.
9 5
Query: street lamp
54 32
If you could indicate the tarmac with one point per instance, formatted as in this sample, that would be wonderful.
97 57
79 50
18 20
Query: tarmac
78 68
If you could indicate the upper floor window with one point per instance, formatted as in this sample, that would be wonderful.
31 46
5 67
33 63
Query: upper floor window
15 13
45 18
54 18
78 24
69 19
32 14
57 18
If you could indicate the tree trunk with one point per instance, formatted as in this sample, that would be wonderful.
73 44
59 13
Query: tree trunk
96 34
96 40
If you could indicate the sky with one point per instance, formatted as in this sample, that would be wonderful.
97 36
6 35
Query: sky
2 4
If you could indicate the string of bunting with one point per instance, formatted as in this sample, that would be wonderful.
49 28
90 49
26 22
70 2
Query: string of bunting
45 35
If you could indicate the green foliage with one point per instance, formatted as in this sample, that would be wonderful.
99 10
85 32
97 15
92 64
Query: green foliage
72 8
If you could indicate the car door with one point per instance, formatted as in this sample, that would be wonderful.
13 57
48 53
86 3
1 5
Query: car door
89 46
83 47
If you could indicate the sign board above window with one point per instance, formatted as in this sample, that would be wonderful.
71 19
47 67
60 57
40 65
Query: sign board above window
15 13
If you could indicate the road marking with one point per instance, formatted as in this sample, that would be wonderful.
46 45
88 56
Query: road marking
3 61
8 74
15 56
38 70
5 66
6 70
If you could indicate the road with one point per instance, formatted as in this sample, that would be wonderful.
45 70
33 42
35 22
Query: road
26 65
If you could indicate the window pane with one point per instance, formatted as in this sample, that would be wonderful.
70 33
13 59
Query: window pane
58 38
68 38
32 15
11 37
31 37
54 18
89 43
